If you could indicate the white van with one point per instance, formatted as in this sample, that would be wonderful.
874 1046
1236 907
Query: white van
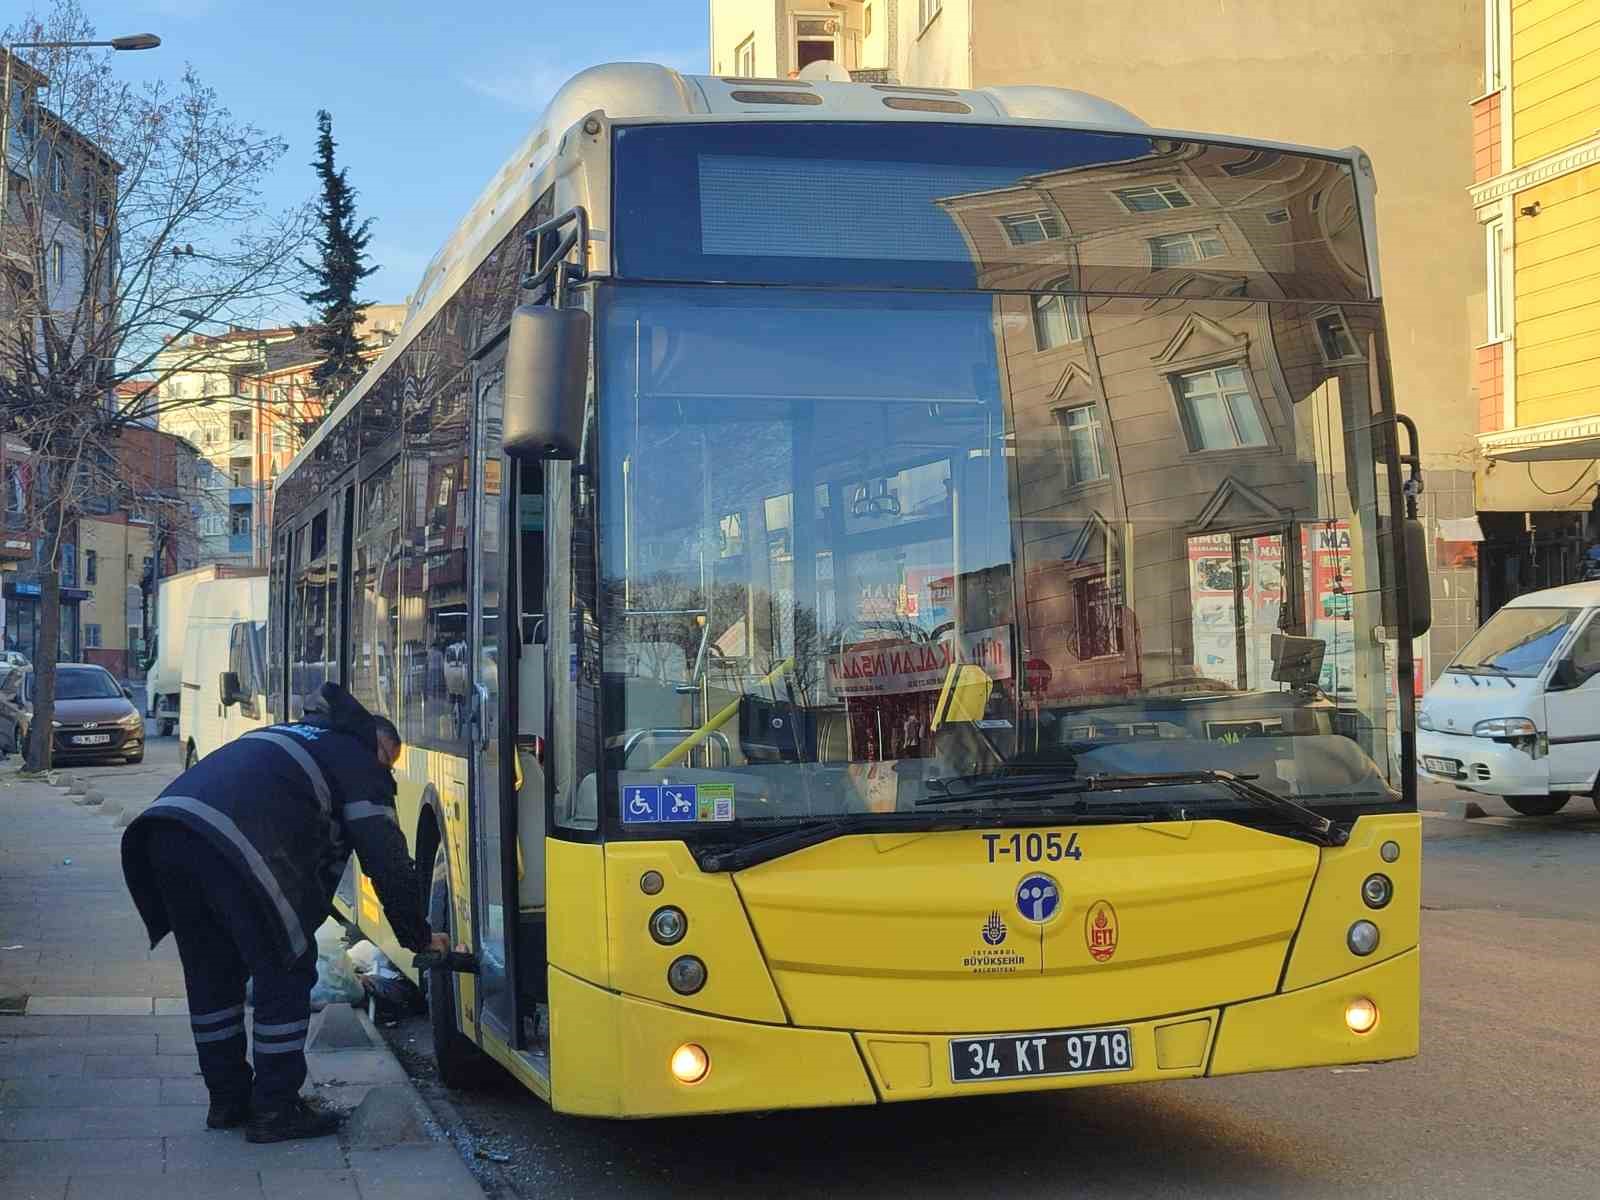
1516 714
224 665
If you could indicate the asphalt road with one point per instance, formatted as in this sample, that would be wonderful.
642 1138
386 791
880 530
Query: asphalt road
1503 1101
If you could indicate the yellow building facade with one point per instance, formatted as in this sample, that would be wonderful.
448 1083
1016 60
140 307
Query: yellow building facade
1536 193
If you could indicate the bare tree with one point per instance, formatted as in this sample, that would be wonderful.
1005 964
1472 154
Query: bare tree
132 216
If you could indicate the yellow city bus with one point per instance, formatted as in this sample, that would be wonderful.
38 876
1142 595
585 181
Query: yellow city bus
850 563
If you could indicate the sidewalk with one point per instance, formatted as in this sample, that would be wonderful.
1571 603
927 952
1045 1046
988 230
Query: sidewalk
100 1092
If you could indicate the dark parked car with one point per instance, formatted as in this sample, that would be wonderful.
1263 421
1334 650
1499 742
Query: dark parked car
95 719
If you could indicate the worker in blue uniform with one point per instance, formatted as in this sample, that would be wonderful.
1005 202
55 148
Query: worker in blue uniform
239 858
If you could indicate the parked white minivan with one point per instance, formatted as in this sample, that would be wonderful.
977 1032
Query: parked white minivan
1516 714
224 665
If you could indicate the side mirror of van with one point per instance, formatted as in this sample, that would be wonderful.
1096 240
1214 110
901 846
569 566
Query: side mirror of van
546 382
228 689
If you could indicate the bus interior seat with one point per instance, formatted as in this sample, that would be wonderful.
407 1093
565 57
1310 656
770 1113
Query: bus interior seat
530 796
530 831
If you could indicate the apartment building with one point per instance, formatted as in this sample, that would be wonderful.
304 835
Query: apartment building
114 552
1382 77
1536 195
246 400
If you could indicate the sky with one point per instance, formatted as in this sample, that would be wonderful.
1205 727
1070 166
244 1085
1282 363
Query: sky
428 99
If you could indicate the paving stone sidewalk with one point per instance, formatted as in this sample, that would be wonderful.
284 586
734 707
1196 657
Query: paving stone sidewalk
100 1091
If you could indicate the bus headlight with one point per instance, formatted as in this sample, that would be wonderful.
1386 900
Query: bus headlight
1377 890
1360 1015
690 1063
687 975
668 925
1362 938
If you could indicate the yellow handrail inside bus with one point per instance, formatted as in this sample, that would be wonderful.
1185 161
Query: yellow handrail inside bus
716 721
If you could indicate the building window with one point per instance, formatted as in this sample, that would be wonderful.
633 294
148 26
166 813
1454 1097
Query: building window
1023 229
239 425
1334 338
239 521
280 440
58 174
1276 216
1080 427
1497 302
927 10
744 58
1256 160
239 472
1097 613
1494 69
866 22
1057 320
91 567
1156 197
58 263
91 636
1176 249
1219 413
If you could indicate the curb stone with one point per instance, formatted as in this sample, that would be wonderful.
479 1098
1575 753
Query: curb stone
1466 810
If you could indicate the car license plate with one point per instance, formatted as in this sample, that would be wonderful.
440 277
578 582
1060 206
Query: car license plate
1019 1056
1441 766
91 739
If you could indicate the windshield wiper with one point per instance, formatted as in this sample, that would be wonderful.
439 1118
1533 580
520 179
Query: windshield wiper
774 845
1018 786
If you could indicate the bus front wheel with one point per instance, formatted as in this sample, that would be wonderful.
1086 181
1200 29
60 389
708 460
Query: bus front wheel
461 1064
1537 806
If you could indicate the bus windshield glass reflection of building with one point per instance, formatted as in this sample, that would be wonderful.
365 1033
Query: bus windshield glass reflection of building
819 503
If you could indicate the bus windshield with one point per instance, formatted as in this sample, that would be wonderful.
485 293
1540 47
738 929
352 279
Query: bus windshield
1082 474
823 508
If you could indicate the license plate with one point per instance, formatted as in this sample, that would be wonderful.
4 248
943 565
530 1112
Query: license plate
1441 766
91 739
1021 1056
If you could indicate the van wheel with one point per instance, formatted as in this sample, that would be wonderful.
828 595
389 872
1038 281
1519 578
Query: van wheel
1537 806
461 1064
189 756
167 727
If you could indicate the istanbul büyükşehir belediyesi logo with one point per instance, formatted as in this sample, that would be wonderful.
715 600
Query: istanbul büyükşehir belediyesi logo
994 929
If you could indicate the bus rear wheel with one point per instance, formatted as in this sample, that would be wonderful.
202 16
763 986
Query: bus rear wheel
1537 806
461 1064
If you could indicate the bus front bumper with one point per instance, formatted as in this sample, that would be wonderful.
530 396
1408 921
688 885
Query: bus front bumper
612 1054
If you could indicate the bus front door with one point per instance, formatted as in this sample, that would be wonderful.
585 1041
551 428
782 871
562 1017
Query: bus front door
496 999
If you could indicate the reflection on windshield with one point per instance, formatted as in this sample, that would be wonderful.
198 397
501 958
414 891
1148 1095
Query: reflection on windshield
857 543
1516 641
86 685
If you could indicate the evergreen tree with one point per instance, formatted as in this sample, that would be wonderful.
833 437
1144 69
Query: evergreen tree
342 268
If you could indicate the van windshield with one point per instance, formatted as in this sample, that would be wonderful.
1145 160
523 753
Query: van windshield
1515 641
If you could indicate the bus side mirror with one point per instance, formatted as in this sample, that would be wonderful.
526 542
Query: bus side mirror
546 381
1419 597
228 690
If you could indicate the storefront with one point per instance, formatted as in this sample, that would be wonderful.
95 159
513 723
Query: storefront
23 618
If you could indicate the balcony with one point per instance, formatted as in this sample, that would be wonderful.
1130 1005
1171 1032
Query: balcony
242 494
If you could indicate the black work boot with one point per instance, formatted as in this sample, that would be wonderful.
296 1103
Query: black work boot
297 1119
227 1114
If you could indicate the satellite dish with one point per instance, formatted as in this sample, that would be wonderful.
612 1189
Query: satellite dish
824 70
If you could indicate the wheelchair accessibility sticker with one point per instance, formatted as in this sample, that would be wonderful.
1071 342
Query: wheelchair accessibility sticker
640 804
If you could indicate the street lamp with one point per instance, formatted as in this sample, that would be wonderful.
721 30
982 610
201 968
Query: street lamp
132 41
